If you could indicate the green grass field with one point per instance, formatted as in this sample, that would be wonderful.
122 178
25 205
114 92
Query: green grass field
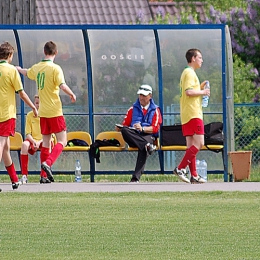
201 225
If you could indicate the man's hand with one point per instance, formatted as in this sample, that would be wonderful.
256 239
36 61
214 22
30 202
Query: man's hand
138 126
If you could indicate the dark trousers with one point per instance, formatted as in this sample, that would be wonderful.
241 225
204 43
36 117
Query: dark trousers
135 139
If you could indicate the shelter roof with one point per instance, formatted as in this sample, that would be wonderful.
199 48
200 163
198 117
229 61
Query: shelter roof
107 11
90 11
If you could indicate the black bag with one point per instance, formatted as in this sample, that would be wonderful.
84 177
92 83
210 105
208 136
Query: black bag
214 133
94 148
77 142
172 135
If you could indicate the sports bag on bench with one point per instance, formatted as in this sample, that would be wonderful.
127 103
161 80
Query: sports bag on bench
172 135
214 134
94 148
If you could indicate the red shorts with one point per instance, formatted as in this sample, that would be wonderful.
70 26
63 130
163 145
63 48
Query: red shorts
52 125
7 128
194 126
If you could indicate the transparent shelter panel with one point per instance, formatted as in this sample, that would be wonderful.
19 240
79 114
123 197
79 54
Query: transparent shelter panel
173 158
8 36
122 60
67 160
71 57
174 45
78 122
119 160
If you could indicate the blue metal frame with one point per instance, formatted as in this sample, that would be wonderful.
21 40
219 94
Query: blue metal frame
155 28
224 100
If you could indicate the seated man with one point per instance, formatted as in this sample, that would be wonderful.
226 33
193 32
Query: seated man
141 127
32 143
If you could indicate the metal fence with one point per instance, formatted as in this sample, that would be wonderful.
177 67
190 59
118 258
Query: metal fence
247 130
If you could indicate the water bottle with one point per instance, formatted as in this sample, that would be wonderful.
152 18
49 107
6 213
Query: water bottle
198 167
78 177
203 173
205 99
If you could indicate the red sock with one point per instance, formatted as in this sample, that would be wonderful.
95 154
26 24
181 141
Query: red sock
192 166
188 156
24 164
55 153
12 173
45 152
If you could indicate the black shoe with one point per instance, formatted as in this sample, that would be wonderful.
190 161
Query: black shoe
15 185
134 180
150 148
0 190
44 180
48 171
197 180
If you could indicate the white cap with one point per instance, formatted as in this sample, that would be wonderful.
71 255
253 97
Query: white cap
145 90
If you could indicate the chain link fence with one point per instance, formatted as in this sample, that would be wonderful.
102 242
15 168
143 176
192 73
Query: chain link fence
246 129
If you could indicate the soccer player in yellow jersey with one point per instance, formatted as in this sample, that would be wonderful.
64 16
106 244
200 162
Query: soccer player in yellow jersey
191 92
10 83
50 79
32 143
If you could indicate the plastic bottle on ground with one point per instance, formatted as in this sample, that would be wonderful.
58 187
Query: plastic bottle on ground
198 167
78 177
205 99
204 169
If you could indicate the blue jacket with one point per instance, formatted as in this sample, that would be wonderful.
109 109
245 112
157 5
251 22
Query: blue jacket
138 115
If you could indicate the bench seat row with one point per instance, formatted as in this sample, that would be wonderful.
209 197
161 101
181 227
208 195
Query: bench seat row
16 143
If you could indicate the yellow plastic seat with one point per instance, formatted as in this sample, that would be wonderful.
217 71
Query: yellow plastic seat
85 136
109 135
16 142
184 147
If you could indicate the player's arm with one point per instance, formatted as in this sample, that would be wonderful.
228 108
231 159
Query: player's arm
28 102
21 70
66 89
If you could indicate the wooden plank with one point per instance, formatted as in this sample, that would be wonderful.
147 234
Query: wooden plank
12 11
6 11
32 11
19 6
1 12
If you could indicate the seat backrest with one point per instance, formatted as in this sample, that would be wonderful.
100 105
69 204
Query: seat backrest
16 141
80 135
110 135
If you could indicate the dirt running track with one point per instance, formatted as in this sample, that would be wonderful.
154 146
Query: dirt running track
134 187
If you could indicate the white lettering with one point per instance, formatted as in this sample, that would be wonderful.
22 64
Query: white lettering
113 57
122 57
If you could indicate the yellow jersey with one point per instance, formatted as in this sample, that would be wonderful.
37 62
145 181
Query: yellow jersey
10 82
32 126
190 107
48 76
